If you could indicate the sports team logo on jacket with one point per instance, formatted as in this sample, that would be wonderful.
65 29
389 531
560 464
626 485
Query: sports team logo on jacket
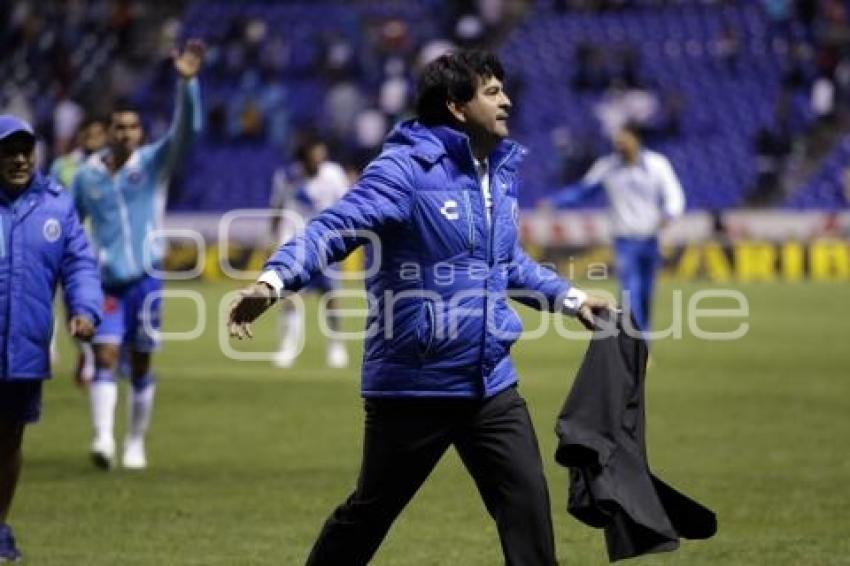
449 210
51 230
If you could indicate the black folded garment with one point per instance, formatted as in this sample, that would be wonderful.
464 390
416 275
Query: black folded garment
601 431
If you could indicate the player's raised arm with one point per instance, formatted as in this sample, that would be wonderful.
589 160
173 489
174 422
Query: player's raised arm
187 121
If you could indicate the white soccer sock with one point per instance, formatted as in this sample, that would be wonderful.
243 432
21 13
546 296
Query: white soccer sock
88 368
103 395
291 327
140 401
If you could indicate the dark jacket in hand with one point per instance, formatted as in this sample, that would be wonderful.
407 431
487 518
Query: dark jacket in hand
601 431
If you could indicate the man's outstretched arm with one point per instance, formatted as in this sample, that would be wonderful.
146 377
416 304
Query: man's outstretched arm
380 198
572 195
577 193
549 291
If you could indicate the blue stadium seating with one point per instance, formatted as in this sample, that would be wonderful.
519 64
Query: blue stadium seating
714 155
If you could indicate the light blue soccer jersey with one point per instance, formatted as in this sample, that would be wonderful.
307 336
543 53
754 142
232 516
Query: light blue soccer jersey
126 208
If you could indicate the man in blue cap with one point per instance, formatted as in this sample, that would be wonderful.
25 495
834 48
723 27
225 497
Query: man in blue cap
41 244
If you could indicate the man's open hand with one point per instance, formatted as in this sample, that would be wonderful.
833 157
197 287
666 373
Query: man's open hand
244 311
188 63
81 327
591 307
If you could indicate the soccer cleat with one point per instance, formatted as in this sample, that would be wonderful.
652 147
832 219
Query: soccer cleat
134 454
284 358
103 453
8 550
337 356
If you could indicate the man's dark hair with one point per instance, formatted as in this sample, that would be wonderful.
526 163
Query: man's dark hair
453 77
122 106
91 121
302 151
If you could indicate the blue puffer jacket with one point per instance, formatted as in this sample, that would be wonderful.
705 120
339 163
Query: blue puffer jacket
439 323
41 244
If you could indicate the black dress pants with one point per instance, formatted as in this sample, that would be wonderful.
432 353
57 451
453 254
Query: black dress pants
404 440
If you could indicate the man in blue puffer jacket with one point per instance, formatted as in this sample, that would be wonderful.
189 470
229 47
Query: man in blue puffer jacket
41 244
441 200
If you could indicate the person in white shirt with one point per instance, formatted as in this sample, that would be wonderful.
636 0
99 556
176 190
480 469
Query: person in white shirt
644 194
313 184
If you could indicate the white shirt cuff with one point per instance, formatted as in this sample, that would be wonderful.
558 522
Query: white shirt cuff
573 301
272 279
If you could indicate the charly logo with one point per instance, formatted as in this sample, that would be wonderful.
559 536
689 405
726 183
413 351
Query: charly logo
51 230
449 210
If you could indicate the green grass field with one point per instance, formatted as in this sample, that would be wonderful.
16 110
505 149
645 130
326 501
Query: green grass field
246 461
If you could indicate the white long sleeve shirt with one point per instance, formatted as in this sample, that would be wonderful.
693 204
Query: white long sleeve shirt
641 195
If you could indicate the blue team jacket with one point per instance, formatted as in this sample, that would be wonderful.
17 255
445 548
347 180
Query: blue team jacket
41 244
439 323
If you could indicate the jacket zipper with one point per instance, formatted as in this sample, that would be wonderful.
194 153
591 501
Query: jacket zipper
493 173
470 239
490 234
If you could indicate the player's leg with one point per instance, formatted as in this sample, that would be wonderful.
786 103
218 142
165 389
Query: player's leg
403 441
140 403
500 450
103 398
650 259
628 272
54 349
85 370
20 404
103 392
291 330
337 355
11 439
145 304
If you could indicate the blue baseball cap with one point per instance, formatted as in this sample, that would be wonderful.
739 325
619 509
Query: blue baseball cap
11 125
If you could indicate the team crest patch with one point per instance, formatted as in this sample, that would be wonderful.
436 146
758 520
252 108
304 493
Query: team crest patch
51 230
134 177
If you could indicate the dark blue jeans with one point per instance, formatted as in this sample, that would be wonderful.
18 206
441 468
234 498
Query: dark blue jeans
638 260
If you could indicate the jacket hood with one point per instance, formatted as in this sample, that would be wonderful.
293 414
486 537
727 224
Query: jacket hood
430 143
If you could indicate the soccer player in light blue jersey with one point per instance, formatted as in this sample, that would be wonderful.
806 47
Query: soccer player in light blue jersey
122 189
